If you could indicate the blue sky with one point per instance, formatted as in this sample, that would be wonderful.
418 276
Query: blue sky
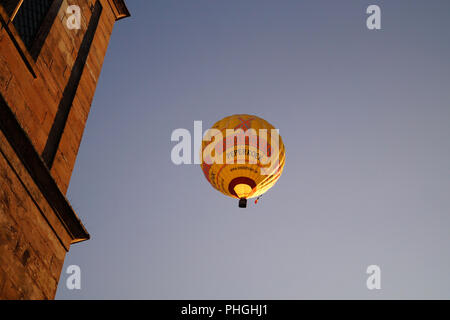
365 119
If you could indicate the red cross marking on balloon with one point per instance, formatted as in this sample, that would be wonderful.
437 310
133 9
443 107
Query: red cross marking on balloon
244 123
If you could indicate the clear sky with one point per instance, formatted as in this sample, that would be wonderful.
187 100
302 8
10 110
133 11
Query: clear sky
365 119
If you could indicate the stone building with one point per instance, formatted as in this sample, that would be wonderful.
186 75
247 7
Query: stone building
51 54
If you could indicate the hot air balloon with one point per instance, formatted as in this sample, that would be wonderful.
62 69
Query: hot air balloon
242 157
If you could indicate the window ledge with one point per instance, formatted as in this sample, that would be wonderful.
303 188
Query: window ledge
9 29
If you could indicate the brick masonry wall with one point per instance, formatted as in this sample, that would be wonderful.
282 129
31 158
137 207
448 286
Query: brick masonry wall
33 244
35 100
33 239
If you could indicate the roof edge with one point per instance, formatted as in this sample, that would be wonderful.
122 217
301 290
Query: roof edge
119 8
32 161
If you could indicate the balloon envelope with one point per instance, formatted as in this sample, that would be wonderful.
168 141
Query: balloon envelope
242 156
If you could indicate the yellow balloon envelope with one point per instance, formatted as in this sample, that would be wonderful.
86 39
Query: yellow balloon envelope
242 156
